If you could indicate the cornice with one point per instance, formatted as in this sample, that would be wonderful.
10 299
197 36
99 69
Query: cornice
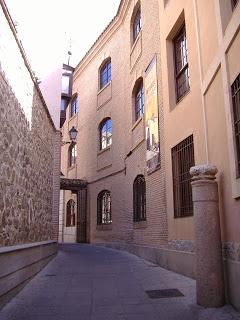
104 37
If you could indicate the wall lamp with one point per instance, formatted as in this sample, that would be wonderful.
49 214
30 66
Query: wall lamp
72 135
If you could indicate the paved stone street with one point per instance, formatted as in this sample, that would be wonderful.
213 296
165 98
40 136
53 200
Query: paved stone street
86 282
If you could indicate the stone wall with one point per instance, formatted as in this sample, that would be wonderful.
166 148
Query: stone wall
26 163
27 137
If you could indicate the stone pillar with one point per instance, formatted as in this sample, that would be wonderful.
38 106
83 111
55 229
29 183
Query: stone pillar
209 264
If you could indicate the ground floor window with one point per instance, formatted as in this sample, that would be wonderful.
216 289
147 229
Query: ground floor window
236 119
139 199
182 161
104 215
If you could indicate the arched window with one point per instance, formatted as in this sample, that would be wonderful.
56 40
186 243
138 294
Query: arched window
104 215
139 199
105 73
137 24
105 129
72 154
74 106
138 94
70 216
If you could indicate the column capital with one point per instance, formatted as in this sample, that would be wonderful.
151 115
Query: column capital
203 172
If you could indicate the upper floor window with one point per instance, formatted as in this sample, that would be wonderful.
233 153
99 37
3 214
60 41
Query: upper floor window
72 154
74 106
182 161
104 215
139 100
105 73
137 24
70 216
105 133
181 64
139 199
236 119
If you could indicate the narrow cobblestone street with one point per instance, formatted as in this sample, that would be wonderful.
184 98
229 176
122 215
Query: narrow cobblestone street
86 282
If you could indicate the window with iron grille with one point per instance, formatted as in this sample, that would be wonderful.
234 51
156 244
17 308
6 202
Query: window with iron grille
182 161
236 119
70 216
139 199
74 106
72 154
105 133
139 101
137 24
234 3
105 73
104 215
181 64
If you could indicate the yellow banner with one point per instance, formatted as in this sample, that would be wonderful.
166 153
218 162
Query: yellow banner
151 116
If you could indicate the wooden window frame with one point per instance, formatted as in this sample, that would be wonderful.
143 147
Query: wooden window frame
182 161
74 106
137 24
139 101
104 133
106 69
183 71
236 120
139 199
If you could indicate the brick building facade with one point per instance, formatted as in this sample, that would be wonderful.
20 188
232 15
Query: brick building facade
169 54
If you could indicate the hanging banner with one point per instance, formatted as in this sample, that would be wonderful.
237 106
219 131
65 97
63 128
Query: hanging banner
151 117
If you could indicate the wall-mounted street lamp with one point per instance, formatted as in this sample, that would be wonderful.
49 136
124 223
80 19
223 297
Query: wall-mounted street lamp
72 135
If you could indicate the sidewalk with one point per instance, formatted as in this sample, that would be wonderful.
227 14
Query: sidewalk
86 282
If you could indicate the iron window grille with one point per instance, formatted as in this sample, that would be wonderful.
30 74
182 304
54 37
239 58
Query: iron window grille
137 25
236 119
234 3
139 101
182 161
181 64
70 216
106 134
139 199
105 74
72 154
104 214
74 106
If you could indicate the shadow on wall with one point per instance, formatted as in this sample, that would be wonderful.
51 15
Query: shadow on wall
26 165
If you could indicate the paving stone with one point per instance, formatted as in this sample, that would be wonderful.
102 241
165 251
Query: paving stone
84 292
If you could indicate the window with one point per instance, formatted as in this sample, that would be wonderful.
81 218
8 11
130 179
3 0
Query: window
72 153
234 3
139 101
181 64
137 24
105 73
66 84
182 161
139 199
74 106
105 133
70 216
236 119
104 215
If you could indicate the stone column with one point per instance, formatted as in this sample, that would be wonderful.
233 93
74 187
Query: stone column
209 264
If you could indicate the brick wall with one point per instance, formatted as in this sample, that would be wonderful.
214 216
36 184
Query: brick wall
111 169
